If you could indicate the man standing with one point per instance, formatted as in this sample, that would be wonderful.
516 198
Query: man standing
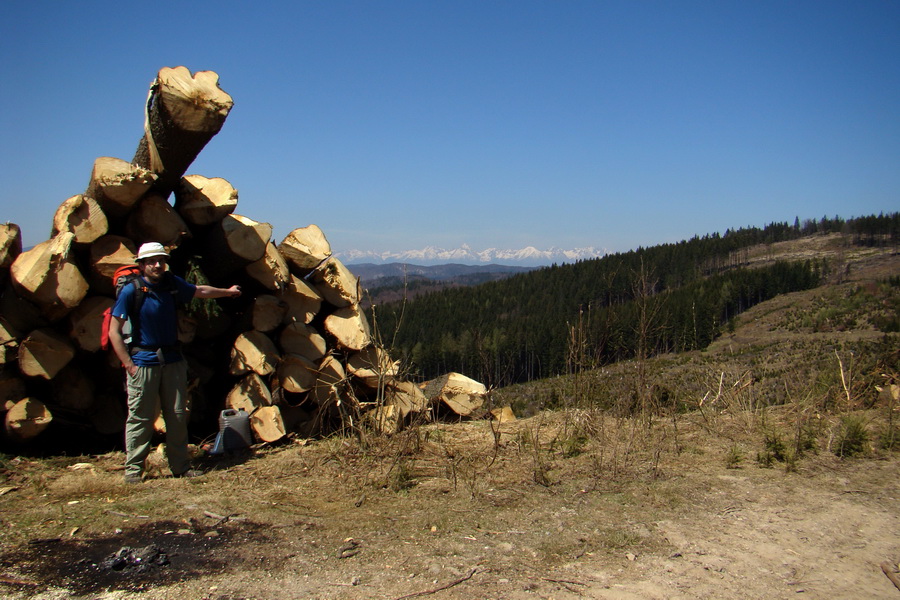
156 370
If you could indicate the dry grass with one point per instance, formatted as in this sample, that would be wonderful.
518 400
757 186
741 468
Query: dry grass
570 481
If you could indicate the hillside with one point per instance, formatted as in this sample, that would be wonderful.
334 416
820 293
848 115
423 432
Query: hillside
668 298
768 468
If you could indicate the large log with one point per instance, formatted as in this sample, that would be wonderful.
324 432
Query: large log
108 415
73 388
12 389
267 312
9 342
249 394
117 185
271 271
154 220
83 217
10 245
253 351
296 374
349 327
235 242
303 301
184 112
407 397
44 353
297 338
106 255
86 321
336 283
203 201
28 418
48 276
19 313
462 395
373 366
330 387
268 424
304 249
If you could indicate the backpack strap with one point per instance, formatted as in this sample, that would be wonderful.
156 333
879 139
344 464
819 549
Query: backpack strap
137 301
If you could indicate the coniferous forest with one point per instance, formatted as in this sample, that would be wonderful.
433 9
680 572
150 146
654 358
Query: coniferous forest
668 298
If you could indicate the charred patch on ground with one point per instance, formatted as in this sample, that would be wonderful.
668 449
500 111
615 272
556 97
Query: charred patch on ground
136 559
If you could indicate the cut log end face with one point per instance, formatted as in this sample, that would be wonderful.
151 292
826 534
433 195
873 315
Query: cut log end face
268 424
26 419
195 103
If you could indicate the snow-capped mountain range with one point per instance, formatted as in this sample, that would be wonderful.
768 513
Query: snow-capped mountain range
528 256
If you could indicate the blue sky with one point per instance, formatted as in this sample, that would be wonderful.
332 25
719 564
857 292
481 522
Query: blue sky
396 125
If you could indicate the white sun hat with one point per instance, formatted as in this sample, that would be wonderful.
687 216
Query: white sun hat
151 249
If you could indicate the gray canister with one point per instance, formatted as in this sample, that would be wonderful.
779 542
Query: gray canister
234 431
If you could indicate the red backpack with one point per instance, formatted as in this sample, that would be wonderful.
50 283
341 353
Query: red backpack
122 277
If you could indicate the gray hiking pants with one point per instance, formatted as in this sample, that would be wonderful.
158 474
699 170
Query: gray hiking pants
166 387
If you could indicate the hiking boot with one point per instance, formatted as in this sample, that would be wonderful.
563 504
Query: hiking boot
132 479
189 473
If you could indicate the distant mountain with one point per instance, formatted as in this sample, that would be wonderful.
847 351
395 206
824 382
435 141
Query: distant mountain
371 273
526 257
395 281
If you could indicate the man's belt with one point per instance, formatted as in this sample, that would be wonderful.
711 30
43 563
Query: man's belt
160 351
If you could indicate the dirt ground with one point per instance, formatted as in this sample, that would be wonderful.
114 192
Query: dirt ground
467 511
560 505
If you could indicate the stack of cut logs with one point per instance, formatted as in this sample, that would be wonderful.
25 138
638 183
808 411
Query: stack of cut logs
295 351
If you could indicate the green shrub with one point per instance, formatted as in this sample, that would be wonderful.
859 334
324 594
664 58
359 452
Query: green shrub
852 437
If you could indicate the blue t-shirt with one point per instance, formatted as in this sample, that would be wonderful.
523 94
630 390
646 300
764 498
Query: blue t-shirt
158 326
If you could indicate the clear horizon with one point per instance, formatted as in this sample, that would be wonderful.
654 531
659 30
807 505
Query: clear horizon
505 124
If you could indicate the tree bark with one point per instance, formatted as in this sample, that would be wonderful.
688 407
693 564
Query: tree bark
81 216
203 201
183 115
